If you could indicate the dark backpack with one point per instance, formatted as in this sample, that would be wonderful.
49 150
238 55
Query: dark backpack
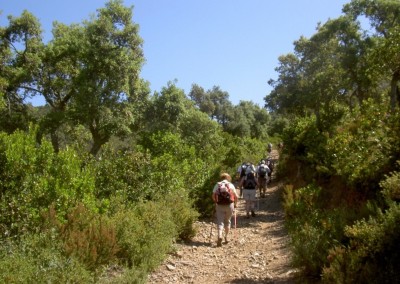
270 165
250 181
262 171
225 195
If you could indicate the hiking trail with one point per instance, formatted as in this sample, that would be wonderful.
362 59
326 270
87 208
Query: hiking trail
258 250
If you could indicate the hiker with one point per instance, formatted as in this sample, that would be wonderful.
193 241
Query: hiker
262 177
240 173
271 166
269 148
225 199
249 184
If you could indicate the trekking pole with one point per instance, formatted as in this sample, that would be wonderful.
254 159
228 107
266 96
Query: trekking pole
234 234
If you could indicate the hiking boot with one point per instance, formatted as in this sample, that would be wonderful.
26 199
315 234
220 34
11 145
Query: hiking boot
252 213
219 242
226 240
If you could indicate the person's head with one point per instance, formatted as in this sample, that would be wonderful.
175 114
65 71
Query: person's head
262 162
226 176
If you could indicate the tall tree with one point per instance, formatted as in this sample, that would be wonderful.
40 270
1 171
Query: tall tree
57 79
20 49
384 17
167 108
284 98
111 58
202 99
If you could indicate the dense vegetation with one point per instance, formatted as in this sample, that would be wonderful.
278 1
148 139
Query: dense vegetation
340 90
107 175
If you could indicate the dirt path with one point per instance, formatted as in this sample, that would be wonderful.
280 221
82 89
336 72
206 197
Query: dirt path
257 253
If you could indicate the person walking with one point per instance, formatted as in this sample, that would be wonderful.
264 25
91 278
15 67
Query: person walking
262 177
249 184
269 148
225 198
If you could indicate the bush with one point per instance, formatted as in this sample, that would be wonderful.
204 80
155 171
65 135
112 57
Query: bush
145 235
33 177
373 253
183 215
363 148
37 258
314 231
391 186
89 237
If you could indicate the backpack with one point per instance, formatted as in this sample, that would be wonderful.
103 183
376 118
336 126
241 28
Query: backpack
243 171
250 181
262 171
270 165
225 195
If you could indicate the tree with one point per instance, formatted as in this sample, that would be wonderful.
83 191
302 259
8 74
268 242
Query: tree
202 99
20 49
384 18
111 59
57 79
88 74
283 98
327 69
166 109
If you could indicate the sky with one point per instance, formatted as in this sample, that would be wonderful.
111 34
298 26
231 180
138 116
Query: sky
232 44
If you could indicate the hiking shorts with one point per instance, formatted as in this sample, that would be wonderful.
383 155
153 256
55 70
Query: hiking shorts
249 194
224 214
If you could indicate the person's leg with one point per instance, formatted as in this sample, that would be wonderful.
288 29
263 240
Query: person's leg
260 185
227 220
264 186
241 187
246 196
220 223
252 202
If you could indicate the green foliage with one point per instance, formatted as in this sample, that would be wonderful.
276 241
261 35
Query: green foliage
314 230
305 143
33 177
183 214
145 234
277 125
364 145
88 237
372 255
203 134
391 186
121 173
38 258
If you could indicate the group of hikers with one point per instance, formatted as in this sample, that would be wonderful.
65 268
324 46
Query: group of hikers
225 195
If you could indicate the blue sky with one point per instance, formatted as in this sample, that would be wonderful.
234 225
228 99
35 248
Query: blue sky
233 44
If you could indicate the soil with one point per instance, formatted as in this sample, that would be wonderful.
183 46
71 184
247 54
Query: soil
258 250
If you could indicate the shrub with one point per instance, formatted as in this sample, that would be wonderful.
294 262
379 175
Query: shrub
89 237
34 177
373 253
38 258
314 231
391 186
145 234
183 214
